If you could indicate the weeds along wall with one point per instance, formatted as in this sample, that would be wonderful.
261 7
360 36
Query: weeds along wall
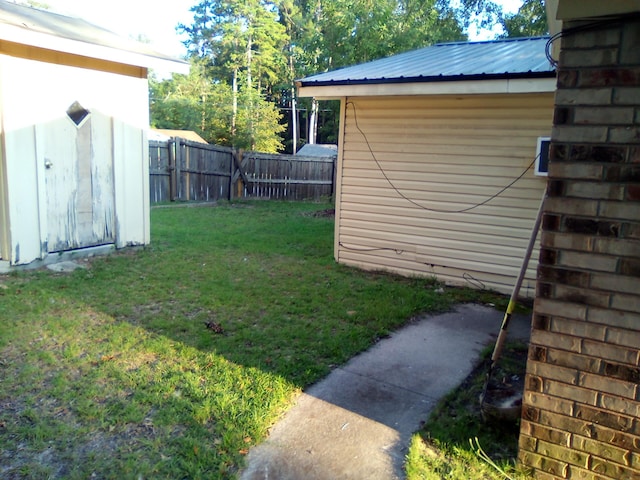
581 411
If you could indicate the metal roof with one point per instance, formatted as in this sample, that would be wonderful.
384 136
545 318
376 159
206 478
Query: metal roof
45 29
496 59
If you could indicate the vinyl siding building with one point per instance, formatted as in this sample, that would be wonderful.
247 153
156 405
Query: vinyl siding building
74 171
436 152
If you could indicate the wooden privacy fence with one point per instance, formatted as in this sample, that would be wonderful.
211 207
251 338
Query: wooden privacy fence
183 170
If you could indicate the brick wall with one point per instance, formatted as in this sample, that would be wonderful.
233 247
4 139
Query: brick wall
581 409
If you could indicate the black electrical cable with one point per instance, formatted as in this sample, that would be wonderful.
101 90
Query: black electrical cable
500 192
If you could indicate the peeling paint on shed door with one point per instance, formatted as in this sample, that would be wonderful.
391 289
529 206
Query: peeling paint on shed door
78 159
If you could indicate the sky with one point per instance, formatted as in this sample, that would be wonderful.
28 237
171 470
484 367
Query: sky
156 21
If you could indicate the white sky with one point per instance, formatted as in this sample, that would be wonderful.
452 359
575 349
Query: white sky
156 20
153 19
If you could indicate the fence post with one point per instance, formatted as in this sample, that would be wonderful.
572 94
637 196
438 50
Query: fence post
173 185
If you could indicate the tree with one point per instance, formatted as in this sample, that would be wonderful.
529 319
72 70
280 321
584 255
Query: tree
192 102
242 42
254 49
529 21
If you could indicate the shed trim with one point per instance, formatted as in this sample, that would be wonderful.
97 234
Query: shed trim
11 33
520 85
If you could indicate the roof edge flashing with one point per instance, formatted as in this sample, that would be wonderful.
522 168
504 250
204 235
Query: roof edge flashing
451 78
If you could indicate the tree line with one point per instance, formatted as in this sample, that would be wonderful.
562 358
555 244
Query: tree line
245 56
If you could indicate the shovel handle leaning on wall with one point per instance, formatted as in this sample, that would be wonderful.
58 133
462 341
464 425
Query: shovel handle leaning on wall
502 336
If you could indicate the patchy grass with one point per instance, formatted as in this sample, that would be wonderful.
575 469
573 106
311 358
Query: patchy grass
170 362
456 443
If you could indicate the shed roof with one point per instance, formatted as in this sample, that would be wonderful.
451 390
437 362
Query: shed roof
318 150
518 58
44 29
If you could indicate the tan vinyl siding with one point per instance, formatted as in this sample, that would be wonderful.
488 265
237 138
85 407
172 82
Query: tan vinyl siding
444 154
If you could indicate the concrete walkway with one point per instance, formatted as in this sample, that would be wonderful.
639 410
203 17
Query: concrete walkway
357 422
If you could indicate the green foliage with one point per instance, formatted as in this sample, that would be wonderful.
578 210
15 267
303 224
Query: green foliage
193 102
529 21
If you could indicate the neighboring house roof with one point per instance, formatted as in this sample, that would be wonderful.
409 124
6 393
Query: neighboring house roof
163 134
43 29
512 59
318 150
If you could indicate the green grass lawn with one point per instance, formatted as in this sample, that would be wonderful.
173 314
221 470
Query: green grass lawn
172 360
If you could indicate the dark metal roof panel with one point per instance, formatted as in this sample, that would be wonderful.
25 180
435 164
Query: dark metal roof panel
515 58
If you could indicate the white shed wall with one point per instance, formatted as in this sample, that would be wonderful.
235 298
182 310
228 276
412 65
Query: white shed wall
35 94
409 164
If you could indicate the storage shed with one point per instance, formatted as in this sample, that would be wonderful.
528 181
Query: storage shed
74 120
436 155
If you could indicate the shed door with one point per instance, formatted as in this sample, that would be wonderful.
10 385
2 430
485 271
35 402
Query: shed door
77 150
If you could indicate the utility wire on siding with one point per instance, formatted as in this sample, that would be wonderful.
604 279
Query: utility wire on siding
373 155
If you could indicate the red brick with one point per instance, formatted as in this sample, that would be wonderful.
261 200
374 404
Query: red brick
563 342
576 170
579 133
627 338
584 96
604 418
629 303
626 96
601 449
573 360
600 383
594 190
588 261
558 452
616 246
616 472
625 440
591 38
569 241
613 318
629 267
608 77
619 404
567 78
593 57
565 423
553 372
591 226
578 328
615 283
542 432
633 193
620 210
582 295
607 154
609 352
570 393
604 115
587 207
623 134
577 473
561 309
631 231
